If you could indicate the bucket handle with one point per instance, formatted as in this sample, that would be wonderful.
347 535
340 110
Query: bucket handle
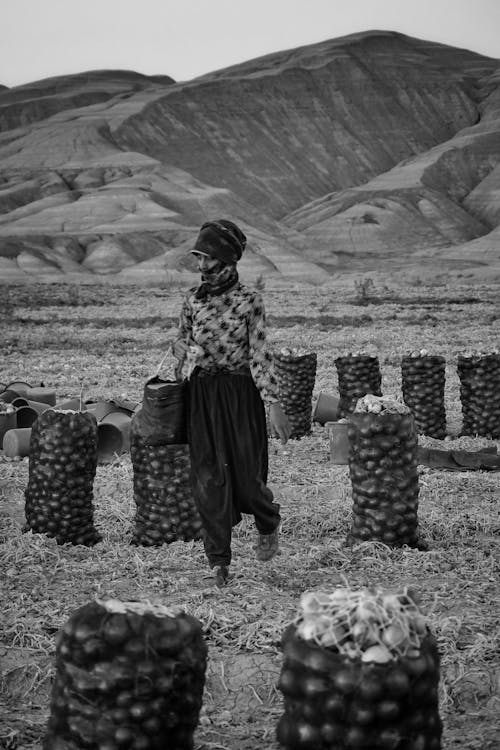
169 350
158 369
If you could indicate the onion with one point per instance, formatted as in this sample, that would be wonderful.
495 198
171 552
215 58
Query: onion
394 636
378 654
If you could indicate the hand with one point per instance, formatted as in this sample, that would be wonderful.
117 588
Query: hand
179 349
280 424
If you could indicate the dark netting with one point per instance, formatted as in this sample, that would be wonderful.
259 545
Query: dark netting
165 506
423 382
296 375
332 701
62 466
384 477
127 676
479 376
358 374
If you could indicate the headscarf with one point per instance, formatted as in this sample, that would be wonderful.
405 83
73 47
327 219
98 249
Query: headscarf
221 239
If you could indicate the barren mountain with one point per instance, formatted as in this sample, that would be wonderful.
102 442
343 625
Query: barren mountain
369 152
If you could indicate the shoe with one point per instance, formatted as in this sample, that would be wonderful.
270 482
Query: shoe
267 546
221 575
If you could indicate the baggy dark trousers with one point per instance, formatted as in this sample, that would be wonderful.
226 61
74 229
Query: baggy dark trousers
229 459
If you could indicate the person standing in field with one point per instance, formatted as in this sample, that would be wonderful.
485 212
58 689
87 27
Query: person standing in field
221 352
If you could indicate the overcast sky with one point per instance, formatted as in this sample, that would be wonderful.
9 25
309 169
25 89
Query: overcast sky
187 38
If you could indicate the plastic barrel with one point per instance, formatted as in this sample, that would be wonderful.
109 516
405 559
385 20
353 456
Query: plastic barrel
339 442
42 394
71 404
326 408
38 406
9 396
26 416
20 401
7 422
113 434
17 442
19 386
100 409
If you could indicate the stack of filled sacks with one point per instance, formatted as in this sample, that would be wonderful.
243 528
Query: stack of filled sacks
296 374
479 375
383 461
358 374
422 382
165 507
360 670
128 675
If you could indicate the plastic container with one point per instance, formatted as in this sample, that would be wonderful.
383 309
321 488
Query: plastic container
39 406
7 422
100 409
9 396
326 408
26 416
19 386
45 395
20 401
17 442
339 442
72 404
113 434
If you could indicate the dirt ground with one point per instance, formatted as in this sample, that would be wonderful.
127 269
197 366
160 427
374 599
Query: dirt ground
108 340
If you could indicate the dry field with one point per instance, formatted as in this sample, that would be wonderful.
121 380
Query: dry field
107 340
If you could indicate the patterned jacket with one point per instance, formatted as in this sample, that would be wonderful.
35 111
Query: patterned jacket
228 331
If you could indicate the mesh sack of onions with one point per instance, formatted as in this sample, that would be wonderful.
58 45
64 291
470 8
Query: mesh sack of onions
383 469
296 374
360 670
358 374
479 376
423 381
165 506
128 675
62 466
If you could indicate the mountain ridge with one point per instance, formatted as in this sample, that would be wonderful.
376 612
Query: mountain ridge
297 153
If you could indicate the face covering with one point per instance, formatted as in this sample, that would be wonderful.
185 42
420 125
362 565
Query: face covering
217 281
212 275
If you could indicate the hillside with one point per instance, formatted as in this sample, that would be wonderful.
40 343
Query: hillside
371 152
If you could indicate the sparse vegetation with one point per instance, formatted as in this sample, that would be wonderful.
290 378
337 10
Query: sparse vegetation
365 290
